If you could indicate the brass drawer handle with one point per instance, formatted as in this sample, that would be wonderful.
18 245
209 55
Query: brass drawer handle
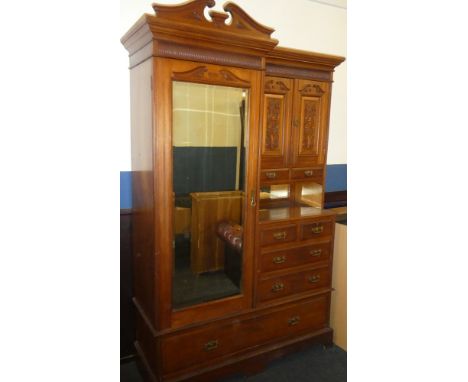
317 228
308 173
279 259
277 287
294 320
280 235
314 278
270 175
316 252
211 345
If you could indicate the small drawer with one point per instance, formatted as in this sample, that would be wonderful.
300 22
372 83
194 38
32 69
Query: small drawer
315 230
310 254
315 174
277 287
274 175
278 235
205 345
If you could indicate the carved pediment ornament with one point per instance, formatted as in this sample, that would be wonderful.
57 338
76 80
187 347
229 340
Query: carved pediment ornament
312 90
202 73
193 12
278 86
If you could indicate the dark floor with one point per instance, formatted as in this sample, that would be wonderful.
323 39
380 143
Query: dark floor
316 364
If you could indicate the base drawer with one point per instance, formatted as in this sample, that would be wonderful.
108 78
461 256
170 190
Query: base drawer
282 286
203 345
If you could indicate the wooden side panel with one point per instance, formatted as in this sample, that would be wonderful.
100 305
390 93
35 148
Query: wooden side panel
142 186
310 121
277 103
339 301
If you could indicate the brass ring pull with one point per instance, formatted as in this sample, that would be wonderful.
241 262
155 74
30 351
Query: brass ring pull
211 345
316 252
280 235
308 173
279 259
270 175
277 287
293 320
317 228
314 278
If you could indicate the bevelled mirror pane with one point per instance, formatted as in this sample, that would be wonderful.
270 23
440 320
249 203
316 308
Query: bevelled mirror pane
208 142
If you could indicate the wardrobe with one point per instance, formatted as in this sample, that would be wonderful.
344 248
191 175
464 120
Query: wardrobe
232 249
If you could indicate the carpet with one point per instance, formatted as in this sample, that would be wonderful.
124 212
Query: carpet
316 364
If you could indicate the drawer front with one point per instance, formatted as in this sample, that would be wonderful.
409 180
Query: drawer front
287 285
309 254
315 230
200 346
274 175
307 173
278 235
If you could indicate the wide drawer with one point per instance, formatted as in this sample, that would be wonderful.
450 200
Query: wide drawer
278 235
201 346
307 173
287 258
286 285
317 229
274 175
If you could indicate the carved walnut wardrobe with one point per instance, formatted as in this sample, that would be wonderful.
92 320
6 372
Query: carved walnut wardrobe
232 247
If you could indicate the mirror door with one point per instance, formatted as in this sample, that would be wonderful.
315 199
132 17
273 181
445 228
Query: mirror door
211 151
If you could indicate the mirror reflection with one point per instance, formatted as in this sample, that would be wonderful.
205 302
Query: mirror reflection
209 130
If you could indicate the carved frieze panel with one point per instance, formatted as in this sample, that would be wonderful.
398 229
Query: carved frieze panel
313 74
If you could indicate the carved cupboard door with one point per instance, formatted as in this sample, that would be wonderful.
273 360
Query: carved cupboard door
277 105
310 122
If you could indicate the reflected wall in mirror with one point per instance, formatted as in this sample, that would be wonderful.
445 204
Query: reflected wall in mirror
208 139
309 194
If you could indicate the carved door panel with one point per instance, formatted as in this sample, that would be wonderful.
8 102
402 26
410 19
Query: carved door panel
310 122
277 105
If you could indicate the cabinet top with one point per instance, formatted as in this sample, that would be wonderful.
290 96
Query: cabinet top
184 27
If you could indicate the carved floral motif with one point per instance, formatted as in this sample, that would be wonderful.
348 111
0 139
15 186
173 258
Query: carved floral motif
310 125
272 131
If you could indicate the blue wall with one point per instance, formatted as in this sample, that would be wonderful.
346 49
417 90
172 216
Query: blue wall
336 177
335 181
125 189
